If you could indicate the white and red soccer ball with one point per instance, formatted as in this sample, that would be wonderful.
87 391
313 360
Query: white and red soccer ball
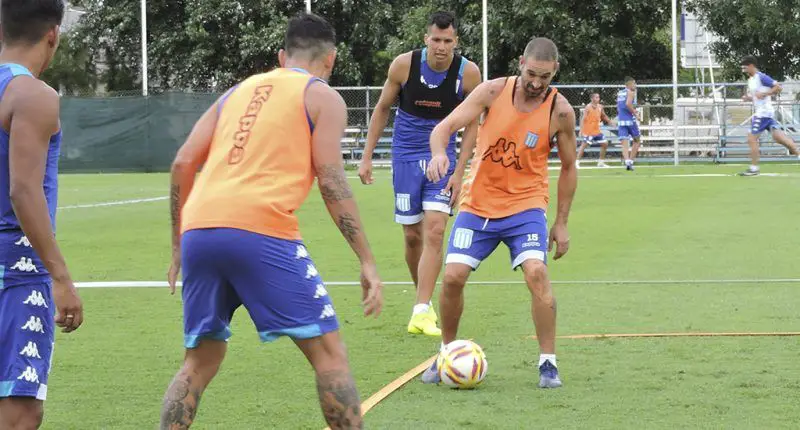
462 364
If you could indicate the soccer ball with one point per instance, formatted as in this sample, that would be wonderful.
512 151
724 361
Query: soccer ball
462 364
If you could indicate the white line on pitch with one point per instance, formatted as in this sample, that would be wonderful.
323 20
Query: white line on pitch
144 284
114 203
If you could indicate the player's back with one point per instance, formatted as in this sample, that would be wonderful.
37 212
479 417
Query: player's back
510 173
259 168
623 113
19 264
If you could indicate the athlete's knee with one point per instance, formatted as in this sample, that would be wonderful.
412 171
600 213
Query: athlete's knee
325 353
537 279
413 236
435 227
455 278
204 361
21 414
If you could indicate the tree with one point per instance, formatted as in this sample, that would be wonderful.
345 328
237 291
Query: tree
766 29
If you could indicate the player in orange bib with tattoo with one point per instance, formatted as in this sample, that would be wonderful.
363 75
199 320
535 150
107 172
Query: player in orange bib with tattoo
509 192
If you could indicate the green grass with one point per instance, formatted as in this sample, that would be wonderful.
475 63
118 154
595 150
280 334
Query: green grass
638 226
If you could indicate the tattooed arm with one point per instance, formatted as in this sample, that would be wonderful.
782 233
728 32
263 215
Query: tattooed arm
328 113
564 124
190 157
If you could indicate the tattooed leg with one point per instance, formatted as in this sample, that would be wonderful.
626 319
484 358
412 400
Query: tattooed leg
337 392
183 395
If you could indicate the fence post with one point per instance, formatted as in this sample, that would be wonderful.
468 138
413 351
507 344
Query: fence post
368 107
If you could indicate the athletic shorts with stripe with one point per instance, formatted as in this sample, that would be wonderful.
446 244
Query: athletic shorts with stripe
414 193
274 279
474 238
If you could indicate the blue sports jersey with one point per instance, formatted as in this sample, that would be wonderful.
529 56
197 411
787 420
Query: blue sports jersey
624 115
19 264
412 133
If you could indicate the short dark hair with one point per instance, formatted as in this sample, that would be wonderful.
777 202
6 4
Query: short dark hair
748 60
311 34
443 20
27 21
541 49
629 79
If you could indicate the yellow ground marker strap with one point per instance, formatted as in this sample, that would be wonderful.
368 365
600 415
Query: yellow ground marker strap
393 386
609 336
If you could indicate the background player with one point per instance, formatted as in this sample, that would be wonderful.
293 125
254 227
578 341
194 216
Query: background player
34 280
260 146
628 120
593 113
430 83
760 89
508 197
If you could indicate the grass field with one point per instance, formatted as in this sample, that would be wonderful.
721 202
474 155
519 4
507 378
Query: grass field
655 224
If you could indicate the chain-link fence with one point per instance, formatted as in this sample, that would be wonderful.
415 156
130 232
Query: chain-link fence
125 131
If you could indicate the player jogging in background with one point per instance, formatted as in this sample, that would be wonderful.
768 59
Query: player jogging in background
628 120
593 114
760 89
509 195
36 290
430 83
236 233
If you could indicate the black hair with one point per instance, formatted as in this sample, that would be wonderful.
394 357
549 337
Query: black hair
748 60
443 20
27 21
311 34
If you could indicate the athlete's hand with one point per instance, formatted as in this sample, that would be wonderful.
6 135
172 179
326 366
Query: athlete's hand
454 188
69 309
560 236
438 167
371 289
174 270
365 171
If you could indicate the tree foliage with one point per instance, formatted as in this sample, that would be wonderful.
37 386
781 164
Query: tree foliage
767 29
211 44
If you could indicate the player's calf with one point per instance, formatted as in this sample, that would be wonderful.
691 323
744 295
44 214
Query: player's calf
21 413
183 395
543 310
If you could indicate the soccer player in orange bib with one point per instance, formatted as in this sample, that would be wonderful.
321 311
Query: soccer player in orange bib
236 233
593 114
508 196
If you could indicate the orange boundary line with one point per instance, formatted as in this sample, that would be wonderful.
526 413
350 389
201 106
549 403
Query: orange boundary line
609 336
393 386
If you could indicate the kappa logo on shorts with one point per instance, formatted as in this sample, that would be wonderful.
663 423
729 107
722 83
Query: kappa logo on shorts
34 324
403 202
25 265
311 271
302 252
35 299
23 241
30 350
462 239
321 291
327 312
29 375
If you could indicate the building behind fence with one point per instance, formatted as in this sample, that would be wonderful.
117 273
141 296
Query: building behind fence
135 133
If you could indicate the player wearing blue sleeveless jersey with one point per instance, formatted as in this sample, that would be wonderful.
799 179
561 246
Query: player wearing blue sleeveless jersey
429 83
760 89
34 281
628 120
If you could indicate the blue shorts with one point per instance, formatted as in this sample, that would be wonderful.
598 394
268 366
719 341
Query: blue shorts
26 340
629 130
762 123
473 238
598 138
414 193
274 279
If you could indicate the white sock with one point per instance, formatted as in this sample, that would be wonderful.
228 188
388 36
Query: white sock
754 168
628 162
547 357
421 308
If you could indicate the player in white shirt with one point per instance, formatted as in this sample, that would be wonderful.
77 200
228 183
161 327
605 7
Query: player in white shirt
760 89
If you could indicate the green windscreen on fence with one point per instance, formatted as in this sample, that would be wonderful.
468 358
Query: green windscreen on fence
127 133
